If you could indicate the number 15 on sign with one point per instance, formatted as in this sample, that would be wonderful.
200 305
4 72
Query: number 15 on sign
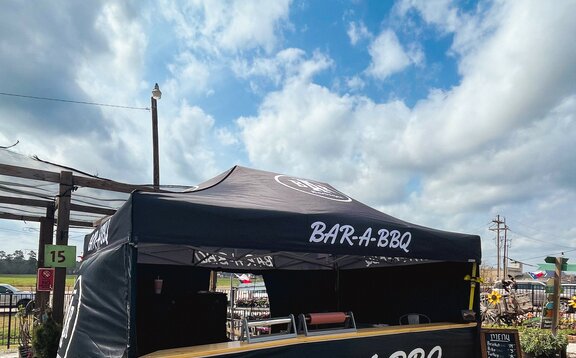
60 256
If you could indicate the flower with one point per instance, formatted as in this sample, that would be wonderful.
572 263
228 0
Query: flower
494 297
572 302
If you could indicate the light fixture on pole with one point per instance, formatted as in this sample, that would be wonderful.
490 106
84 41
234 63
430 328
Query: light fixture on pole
156 95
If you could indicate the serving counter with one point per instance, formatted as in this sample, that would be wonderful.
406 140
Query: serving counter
432 340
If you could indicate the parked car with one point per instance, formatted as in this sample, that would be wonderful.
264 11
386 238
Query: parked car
536 289
11 296
537 292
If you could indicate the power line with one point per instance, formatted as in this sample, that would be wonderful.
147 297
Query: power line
561 253
542 241
71 101
523 263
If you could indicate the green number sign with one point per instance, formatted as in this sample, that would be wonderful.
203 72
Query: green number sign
59 256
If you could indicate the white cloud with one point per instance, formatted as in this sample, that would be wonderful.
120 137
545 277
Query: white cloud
189 138
288 64
355 83
501 141
228 25
357 32
227 136
506 86
439 12
275 68
212 36
245 30
320 134
389 57
190 75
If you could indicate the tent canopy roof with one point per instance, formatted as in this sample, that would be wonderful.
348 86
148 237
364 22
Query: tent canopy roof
251 217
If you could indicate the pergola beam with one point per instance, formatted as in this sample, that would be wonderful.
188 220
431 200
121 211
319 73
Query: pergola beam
92 209
29 173
10 216
96 183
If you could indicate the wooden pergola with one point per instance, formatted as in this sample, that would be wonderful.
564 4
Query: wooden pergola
27 198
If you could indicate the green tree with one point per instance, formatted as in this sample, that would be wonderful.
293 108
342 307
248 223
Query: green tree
32 262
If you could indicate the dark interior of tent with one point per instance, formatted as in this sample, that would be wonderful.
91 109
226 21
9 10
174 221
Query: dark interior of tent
186 314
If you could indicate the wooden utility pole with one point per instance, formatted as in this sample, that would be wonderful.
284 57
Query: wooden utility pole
497 221
501 246
156 159
66 187
505 249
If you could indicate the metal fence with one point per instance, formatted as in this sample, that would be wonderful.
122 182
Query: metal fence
253 304
249 303
10 321
538 295
242 303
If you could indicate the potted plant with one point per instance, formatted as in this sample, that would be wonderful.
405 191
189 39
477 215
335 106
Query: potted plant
46 336
541 343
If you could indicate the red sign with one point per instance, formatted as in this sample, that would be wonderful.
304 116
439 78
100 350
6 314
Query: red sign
45 280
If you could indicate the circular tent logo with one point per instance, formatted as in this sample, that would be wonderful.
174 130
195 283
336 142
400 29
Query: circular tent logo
313 188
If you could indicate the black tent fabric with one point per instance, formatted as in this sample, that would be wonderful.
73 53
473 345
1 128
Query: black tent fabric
257 210
242 220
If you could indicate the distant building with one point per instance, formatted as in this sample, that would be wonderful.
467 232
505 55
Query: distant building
515 268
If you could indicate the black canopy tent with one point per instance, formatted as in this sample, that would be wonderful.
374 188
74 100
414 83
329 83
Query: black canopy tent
318 250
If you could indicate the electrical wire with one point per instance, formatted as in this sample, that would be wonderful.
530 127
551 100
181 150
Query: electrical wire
542 241
71 101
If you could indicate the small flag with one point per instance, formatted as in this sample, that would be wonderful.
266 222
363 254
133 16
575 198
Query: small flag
537 274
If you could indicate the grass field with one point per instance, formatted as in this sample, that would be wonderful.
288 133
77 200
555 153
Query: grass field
28 282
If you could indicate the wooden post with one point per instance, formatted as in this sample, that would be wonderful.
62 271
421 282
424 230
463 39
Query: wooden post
66 187
557 281
46 237
213 280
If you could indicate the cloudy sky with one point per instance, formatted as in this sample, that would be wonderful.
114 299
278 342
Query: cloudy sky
442 113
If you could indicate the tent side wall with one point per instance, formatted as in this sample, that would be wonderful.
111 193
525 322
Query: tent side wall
97 322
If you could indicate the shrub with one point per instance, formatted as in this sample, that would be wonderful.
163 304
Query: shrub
541 342
46 338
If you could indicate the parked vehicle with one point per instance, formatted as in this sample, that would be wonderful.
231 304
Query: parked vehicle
536 289
11 296
537 292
